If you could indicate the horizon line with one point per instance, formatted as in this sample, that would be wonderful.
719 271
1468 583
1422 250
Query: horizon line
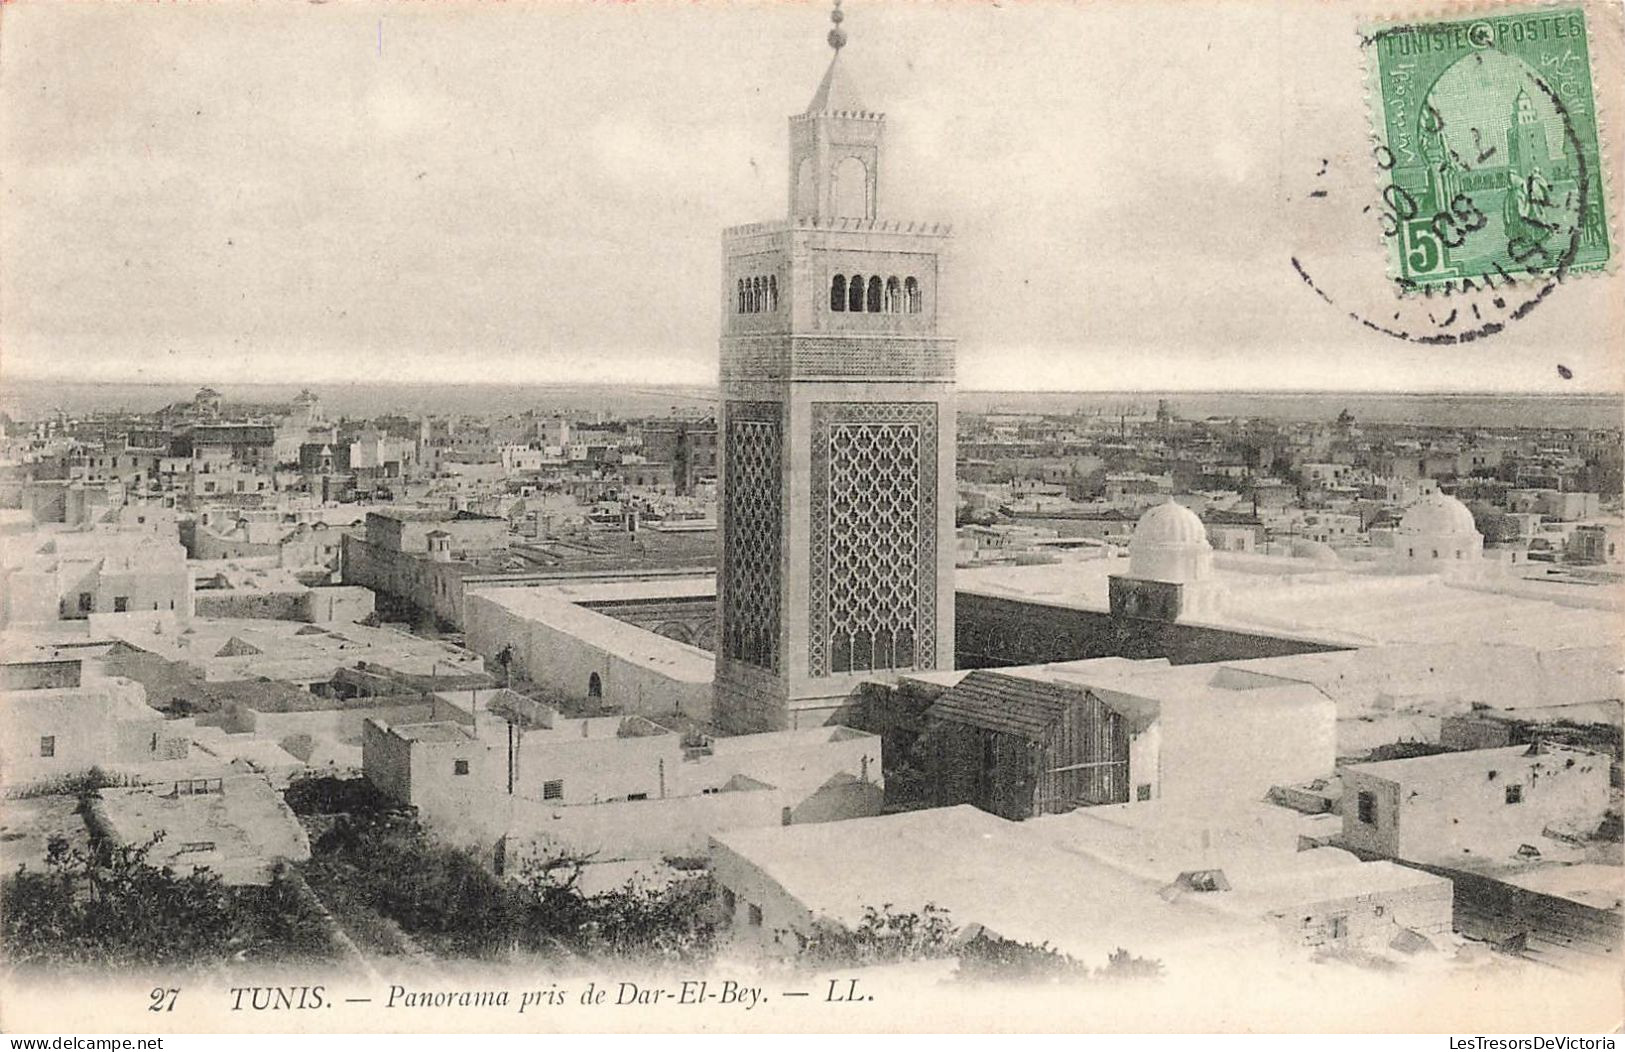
711 387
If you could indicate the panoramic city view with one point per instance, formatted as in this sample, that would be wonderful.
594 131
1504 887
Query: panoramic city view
340 665
869 652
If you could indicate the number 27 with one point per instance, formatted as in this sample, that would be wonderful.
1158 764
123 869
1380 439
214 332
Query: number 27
163 1000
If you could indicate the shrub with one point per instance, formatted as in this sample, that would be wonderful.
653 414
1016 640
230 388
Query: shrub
332 796
108 907
443 897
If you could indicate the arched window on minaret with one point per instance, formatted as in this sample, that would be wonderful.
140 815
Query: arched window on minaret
741 308
863 650
837 292
874 295
773 292
894 295
911 292
851 196
854 293
840 652
885 656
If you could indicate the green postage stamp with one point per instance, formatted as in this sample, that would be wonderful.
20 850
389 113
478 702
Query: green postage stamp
1488 148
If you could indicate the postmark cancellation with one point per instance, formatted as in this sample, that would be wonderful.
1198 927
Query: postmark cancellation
1487 148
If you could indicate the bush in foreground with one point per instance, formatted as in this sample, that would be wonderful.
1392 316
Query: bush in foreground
109 908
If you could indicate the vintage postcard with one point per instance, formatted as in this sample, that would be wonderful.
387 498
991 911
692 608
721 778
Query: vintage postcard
819 516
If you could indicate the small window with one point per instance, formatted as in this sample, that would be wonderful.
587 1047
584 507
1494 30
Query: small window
595 686
553 790
87 602
876 295
730 902
784 816
121 604
1143 792
755 916
1514 794
1340 926
854 294
637 796
47 745
1366 805
837 293
459 767
911 295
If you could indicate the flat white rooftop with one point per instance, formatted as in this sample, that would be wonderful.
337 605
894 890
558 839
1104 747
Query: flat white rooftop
679 661
696 586
983 870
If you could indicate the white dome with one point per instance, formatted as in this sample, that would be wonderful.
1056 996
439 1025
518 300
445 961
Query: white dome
1169 524
1170 544
1438 515
1437 535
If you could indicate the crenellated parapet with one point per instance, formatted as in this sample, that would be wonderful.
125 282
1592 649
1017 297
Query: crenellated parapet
867 226
851 115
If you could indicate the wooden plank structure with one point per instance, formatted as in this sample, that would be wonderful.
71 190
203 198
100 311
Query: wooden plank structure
1019 747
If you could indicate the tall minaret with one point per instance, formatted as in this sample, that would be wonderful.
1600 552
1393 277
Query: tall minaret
1527 151
837 434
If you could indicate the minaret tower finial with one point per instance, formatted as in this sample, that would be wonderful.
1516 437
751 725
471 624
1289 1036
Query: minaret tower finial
837 35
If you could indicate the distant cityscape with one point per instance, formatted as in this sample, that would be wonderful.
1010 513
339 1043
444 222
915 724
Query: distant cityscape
215 605
827 667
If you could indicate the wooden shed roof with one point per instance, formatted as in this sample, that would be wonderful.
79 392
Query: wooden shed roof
1007 704
1028 707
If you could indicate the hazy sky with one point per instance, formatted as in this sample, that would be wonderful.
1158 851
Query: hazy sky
459 191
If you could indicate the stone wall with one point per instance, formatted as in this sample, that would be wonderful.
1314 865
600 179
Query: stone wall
991 632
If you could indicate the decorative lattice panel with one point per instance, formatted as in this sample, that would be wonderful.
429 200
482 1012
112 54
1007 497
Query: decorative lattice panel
873 558
752 515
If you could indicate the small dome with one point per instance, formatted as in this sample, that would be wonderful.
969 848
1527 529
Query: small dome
1169 524
1438 515
1170 544
1319 551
